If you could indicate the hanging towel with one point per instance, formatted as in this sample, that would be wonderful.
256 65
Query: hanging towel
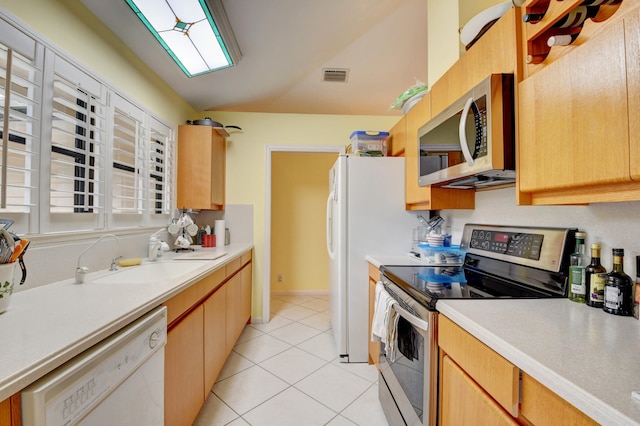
409 340
385 321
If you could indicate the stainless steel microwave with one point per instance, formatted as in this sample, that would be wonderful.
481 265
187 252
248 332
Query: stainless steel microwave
471 144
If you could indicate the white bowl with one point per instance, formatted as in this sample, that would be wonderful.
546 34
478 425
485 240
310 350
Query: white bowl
475 24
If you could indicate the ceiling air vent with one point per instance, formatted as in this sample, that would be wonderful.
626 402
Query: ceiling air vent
338 75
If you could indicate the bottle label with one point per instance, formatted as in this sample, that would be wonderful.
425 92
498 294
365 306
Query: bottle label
613 297
576 277
597 287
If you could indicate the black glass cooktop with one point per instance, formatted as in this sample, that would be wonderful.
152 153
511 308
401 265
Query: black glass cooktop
478 278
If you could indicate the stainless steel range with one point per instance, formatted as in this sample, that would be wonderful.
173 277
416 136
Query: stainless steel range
500 262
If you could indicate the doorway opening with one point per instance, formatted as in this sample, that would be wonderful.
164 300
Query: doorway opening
271 160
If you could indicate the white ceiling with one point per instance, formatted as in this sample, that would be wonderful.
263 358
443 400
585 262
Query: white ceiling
285 45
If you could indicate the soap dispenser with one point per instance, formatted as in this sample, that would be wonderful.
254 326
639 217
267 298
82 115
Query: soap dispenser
154 246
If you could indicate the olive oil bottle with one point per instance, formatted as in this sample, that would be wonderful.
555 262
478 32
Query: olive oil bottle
577 262
618 288
594 278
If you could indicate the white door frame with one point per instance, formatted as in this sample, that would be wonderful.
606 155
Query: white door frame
266 270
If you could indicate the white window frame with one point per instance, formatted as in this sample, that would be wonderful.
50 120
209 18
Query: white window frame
40 222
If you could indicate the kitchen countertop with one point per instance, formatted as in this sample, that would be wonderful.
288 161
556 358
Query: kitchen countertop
586 356
47 326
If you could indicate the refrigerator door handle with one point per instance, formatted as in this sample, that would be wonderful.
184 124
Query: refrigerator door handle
330 249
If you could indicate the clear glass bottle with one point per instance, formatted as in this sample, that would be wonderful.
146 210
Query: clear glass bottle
594 279
618 289
577 262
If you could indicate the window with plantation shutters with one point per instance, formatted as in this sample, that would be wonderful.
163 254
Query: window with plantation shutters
20 94
161 165
75 154
77 142
128 162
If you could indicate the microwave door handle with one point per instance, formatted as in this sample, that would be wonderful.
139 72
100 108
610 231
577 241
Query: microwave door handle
463 132
421 325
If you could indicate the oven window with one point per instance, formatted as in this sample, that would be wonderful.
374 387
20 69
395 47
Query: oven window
409 363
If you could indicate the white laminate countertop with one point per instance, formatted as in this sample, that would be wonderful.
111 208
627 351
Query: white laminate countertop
47 326
586 356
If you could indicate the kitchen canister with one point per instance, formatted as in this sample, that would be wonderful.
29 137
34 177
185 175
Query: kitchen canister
7 277
219 231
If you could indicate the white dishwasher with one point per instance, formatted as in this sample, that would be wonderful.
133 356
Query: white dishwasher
119 381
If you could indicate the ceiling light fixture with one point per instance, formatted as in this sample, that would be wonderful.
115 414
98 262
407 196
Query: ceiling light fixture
195 33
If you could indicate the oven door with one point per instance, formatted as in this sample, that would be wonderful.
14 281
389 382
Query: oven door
406 388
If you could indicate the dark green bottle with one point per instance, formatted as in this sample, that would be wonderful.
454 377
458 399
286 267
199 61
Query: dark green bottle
618 289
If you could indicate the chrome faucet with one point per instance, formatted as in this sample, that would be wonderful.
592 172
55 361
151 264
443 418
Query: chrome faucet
81 271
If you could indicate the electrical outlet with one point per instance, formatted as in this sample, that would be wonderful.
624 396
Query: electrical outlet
279 278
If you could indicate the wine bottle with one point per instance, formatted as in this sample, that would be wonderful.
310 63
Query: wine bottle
532 18
576 270
561 40
600 2
618 289
576 17
594 278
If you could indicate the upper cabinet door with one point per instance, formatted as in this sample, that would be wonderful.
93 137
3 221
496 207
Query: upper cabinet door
573 118
201 168
632 38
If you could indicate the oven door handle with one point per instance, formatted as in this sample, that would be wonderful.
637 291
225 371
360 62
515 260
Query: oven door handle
421 325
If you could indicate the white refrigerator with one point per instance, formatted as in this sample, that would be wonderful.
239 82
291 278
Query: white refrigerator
365 216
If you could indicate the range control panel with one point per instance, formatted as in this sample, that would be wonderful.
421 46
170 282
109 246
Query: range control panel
543 248
525 245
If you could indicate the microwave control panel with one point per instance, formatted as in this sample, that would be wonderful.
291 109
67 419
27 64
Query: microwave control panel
517 244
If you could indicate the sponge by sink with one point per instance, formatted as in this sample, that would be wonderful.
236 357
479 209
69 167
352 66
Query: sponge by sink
131 261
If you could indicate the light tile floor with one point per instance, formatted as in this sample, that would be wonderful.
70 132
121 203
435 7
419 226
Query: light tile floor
287 372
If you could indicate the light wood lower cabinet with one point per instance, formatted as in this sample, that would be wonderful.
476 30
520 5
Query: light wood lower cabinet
215 347
10 411
466 403
540 406
497 376
478 386
184 370
205 321
374 347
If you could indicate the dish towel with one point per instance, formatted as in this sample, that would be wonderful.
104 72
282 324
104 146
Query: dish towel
384 324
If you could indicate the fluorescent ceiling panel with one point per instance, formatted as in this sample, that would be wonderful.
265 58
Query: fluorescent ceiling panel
187 30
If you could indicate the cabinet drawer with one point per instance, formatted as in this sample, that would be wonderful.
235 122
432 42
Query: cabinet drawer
466 403
541 406
183 301
492 372
246 257
233 266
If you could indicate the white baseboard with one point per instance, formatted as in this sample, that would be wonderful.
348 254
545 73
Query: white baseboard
300 293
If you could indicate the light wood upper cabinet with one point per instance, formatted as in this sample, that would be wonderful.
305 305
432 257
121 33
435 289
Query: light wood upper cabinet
201 168
578 137
397 138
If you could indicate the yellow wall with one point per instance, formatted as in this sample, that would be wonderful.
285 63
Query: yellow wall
73 29
300 187
442 37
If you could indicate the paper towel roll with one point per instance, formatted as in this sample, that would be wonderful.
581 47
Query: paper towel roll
218 229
